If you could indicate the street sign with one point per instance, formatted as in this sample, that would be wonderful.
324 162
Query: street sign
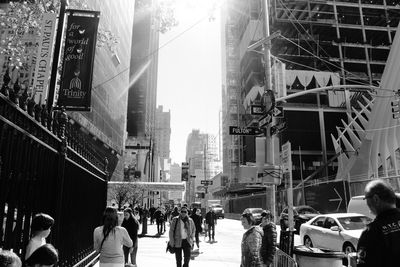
257 110
206 182
277 112
234 130
287 157
263 121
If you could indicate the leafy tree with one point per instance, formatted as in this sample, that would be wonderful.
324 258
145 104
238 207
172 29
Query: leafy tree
130 193
165 13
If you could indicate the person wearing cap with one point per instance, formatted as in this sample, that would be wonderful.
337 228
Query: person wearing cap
268 246
251 242
379 243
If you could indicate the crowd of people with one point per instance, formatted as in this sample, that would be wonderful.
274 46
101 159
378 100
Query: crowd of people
117 242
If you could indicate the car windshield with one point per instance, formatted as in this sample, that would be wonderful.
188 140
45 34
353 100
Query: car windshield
354 223
307 211
216 206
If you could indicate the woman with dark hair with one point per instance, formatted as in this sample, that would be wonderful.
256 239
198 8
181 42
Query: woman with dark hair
40 230
109 239
197 219
132 226
251 242
45 255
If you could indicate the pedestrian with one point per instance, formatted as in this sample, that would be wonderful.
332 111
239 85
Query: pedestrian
144 224
379 243
268 246
132 226
197 219
40 230
181 237
251 242
109 239
159 216
211 221
9 259
152 210
175 212
45 256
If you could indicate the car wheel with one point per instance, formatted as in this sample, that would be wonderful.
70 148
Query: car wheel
308 242
348 248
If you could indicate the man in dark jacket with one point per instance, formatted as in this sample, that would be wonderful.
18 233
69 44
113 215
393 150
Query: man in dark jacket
211 221
152 210
268 246
379 243
159 216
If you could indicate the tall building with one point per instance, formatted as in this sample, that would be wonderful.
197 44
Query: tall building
321 43
202 156
141 110
143 70
103 128
175 177
230 92
162 135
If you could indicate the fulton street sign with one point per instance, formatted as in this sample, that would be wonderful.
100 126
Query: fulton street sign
234 130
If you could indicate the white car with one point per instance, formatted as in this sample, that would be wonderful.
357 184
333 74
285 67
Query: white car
336 231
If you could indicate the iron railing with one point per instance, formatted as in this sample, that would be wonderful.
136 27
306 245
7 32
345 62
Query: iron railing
283 260
45 167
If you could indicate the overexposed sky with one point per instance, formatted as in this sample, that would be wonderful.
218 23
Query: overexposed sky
189 74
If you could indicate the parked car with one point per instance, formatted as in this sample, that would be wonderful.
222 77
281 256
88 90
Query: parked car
219 210
301 214
256 213
336 231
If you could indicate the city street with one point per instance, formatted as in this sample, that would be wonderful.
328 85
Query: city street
225 252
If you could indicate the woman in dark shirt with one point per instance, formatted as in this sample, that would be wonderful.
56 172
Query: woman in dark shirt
132 226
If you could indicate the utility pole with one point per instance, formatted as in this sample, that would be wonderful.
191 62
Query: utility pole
270 140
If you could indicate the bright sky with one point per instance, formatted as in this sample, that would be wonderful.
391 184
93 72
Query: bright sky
189 74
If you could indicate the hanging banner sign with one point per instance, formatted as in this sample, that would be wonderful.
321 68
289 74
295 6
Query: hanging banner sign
43 58
78 59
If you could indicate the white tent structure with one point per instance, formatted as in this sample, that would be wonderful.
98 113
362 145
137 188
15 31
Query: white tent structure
369 143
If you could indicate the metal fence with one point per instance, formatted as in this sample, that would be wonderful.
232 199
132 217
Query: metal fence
283 260
40 172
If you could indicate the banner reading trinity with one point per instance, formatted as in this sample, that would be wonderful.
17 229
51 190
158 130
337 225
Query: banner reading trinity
78 58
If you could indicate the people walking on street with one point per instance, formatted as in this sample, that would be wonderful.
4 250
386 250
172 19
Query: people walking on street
132 226
9 259
181 237
40 230
159 217
152 210
268 246
44 256
109 239
379 243
251 242
211 221
197 219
